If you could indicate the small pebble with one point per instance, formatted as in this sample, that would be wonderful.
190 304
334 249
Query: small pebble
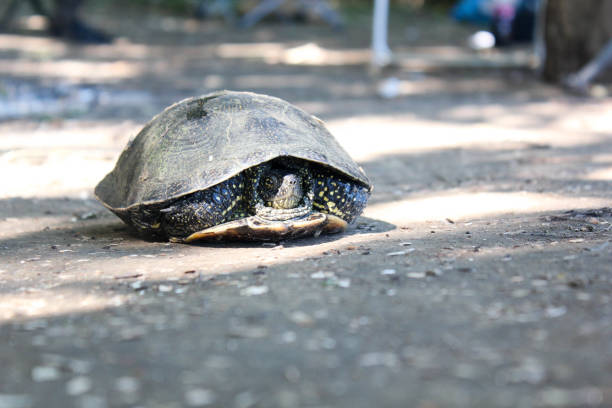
45 373
165 288
199 397
127 385
343 283
433 272
78 385
254 290
301 319
137 285
289 337
388 272
585 297
292 374
396 253
553 312
519 293
80 366
416 275
374 359
322 275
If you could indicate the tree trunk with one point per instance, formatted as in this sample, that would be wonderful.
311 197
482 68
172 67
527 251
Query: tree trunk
574 32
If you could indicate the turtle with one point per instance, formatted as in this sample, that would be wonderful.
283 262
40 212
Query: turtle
233 165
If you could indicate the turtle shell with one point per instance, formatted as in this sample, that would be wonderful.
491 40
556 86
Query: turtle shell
202 141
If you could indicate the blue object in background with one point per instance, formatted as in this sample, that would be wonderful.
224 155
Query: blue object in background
471 11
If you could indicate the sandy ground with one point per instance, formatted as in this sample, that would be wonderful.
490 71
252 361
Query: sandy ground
479 275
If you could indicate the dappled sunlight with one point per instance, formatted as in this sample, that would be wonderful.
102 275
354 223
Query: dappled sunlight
425 57
368 138
44 57
423 84
33 303
604 174
51 174
249 50
109 135
74 70
53 161
463 205
133 257
461 57
41 47
134 268
306 54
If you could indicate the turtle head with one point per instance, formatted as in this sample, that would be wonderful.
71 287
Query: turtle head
281 189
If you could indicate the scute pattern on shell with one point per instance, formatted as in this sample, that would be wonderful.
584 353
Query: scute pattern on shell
199 142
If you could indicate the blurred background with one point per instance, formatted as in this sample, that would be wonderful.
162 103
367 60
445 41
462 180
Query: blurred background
75 74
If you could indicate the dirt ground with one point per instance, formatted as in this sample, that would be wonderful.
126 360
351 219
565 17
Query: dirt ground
479 275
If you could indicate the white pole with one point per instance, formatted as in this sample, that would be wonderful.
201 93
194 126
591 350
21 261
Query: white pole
381 53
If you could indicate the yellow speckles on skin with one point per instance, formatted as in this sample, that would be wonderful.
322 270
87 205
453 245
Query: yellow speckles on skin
320 183
325 199
231 206
318 205
321 193
333 183
156 225
331 204
343 200
325 188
